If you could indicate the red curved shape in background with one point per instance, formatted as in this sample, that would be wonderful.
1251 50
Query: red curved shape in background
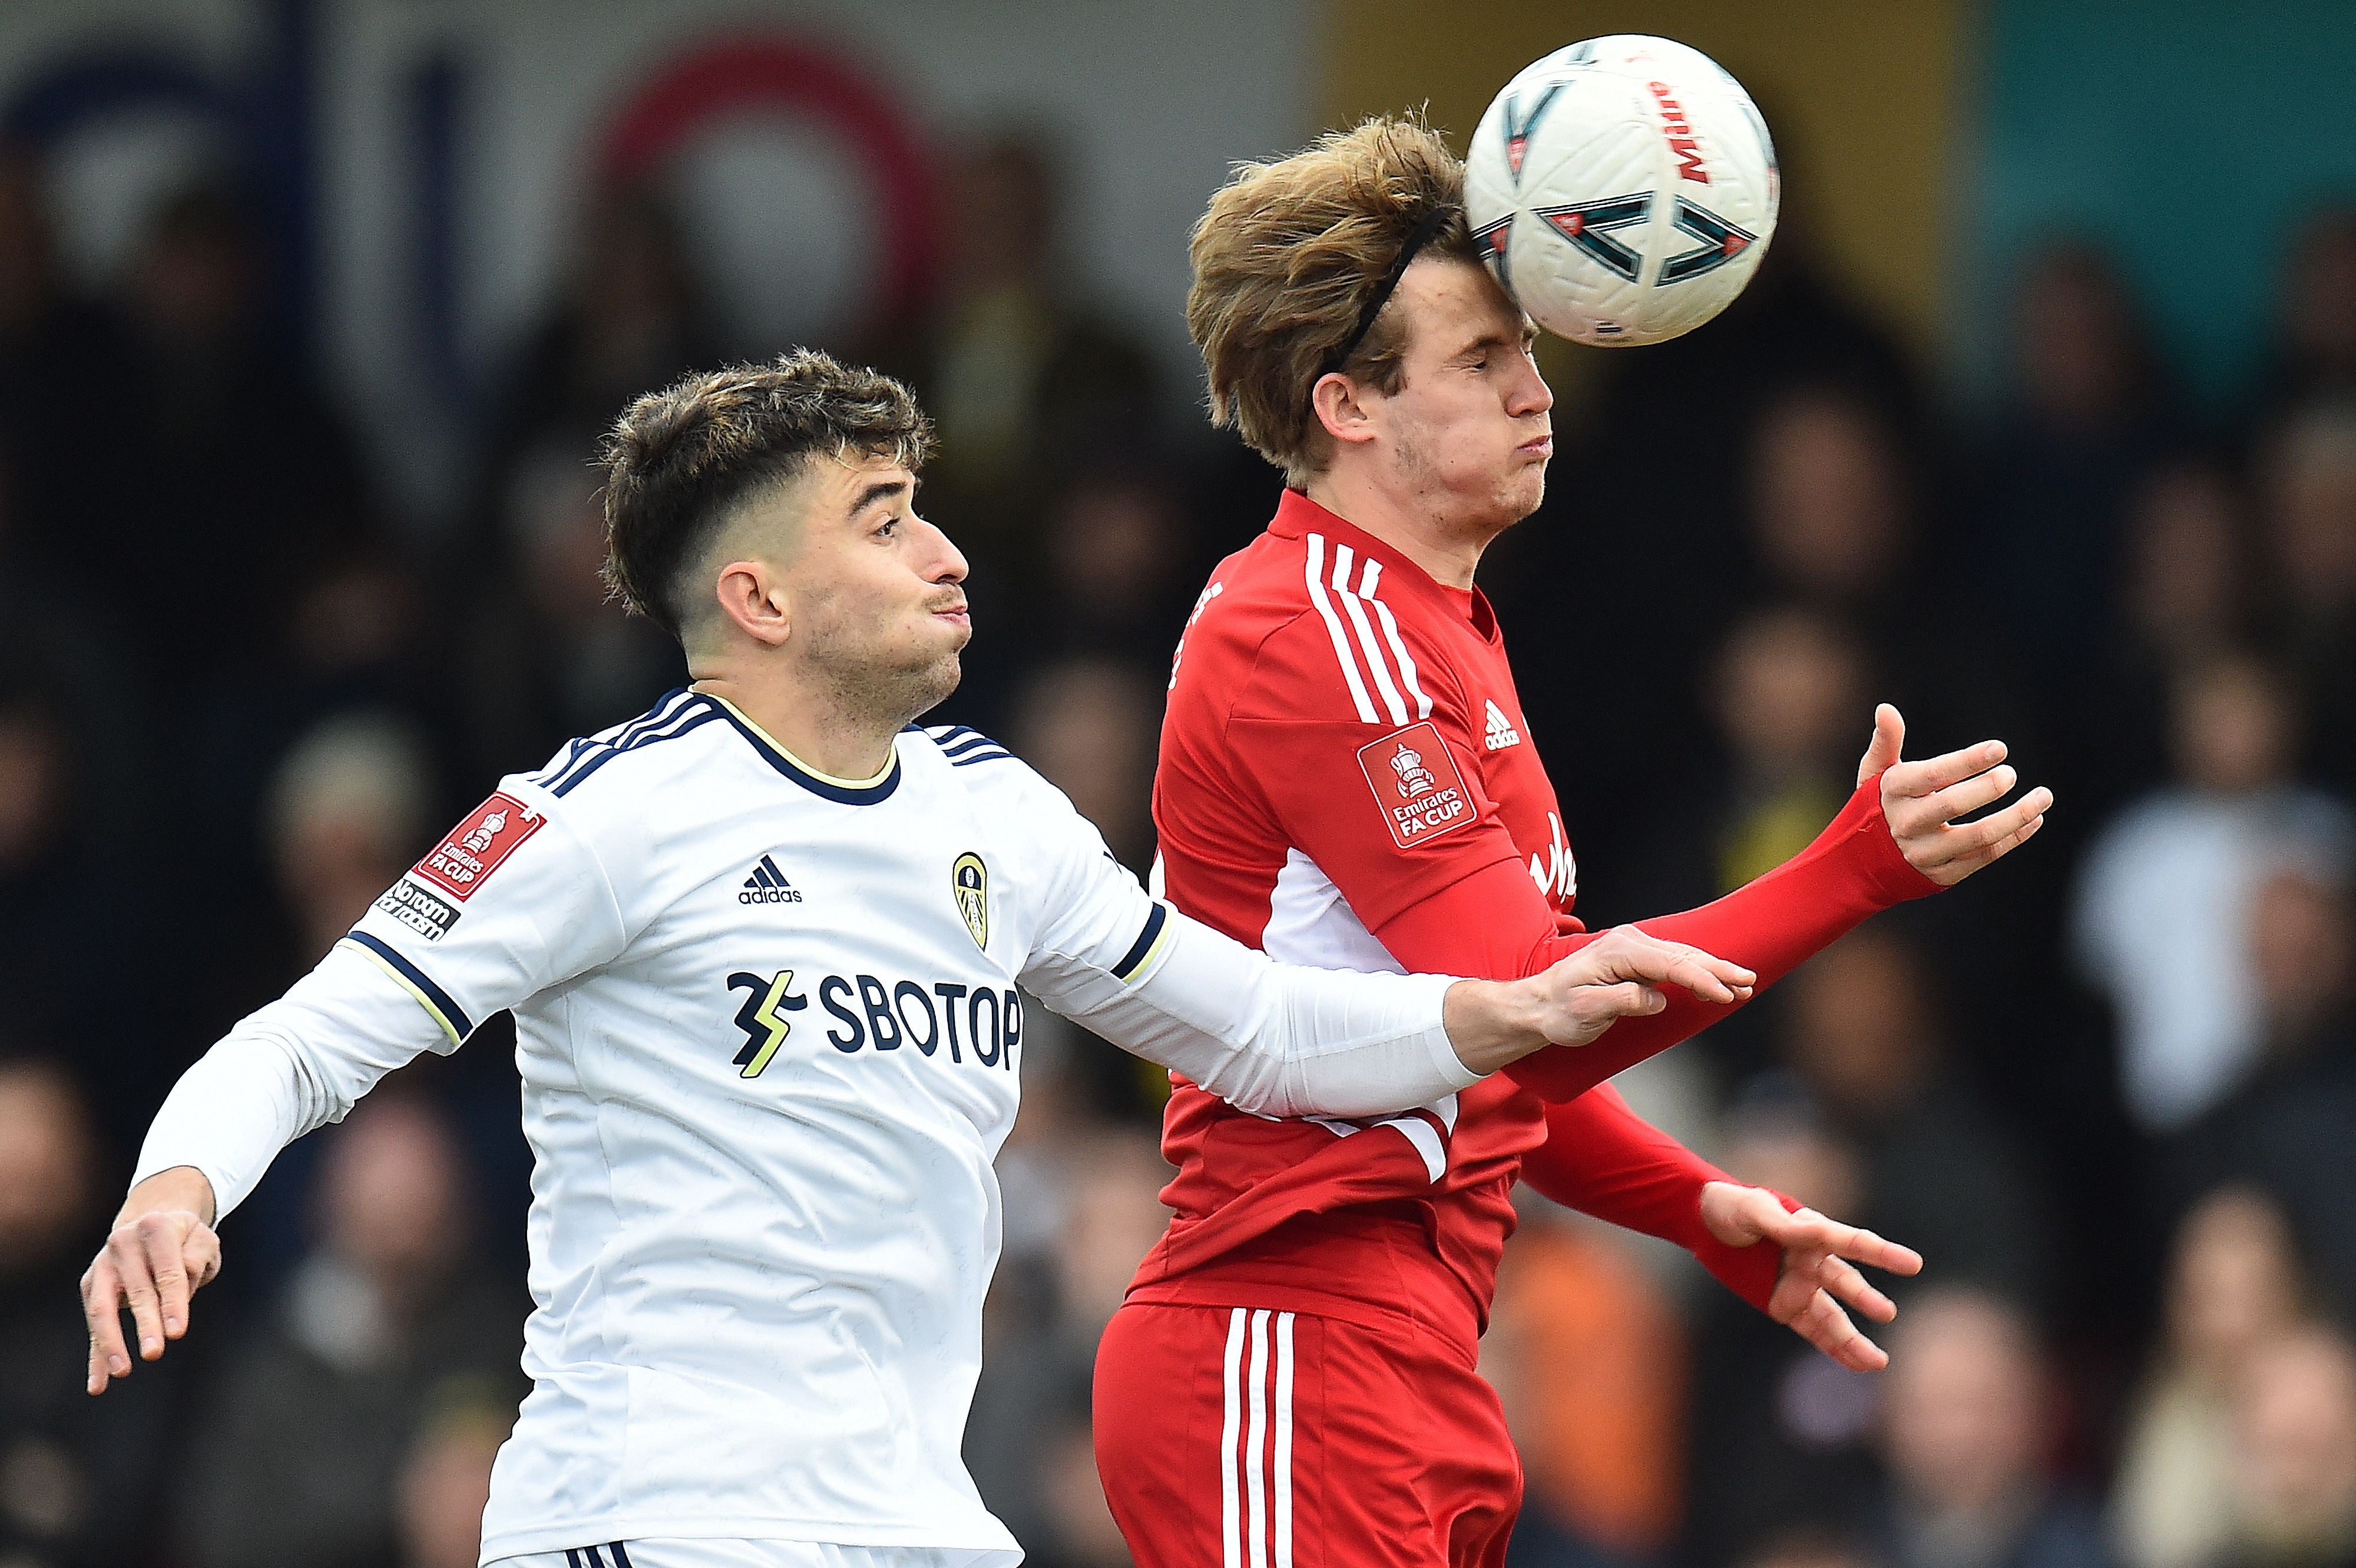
756 74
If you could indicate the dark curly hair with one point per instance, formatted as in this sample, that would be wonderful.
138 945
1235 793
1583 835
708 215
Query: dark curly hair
680 460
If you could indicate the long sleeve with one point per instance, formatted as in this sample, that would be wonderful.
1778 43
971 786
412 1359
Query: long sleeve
1270 1038
1495 924
289 1068
512 900
1601 1158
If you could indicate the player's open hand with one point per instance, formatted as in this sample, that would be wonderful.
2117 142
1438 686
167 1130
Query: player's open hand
1818 1276
161 1250
1921 801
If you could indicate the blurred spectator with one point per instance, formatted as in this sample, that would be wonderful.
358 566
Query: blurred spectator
78 1476
630 317
2315 306
1092 727
222 420
1118 570
1079 1528
60 367
2294 1443
349 812
302 1434
1965 1426
1589 1359
2185 590
2307 484
1094 1210
2160 908
1790 700
2288 1126
1779 1433
1017 368
2233 1282
56 963
1836 503
2088 411
1940 1173
550 656
445 1482
1820 1545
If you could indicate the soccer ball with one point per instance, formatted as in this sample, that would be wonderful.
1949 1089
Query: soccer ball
1622 189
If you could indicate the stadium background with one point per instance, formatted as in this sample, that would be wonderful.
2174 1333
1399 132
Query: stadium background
2041 420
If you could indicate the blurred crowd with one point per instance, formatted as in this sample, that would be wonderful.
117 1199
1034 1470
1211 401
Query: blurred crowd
2109 1090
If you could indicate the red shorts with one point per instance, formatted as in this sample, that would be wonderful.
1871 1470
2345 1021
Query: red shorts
1253 1437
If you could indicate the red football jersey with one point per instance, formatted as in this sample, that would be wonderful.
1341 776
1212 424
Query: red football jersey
1344 740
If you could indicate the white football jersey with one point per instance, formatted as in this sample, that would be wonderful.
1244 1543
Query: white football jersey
770 1031
764 1212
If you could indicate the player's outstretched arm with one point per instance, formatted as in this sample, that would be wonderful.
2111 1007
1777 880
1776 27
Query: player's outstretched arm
1817 1283
161 1249
1623 974
1900 837
1278 1041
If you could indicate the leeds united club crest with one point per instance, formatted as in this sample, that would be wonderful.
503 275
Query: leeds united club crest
969 880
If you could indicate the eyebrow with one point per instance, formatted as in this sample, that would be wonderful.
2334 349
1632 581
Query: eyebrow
890 490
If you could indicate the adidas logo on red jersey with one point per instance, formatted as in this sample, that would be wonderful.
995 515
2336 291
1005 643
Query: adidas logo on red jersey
1501 734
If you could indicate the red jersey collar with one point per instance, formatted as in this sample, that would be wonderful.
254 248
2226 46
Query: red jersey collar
1296 515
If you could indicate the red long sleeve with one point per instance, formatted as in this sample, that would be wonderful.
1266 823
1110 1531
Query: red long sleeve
1483 926
1601 1158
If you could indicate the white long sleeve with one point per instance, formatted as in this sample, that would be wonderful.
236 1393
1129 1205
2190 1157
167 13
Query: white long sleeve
295 1066
1270 1038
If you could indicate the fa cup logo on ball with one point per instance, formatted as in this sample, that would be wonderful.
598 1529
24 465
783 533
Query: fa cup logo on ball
1414 778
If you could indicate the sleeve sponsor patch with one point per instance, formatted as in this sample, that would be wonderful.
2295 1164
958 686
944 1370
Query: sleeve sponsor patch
1416 784
419 908
476 847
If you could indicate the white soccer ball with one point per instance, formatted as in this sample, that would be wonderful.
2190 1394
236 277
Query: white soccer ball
1622 189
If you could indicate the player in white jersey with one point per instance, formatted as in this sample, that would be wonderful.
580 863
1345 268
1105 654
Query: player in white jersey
767 950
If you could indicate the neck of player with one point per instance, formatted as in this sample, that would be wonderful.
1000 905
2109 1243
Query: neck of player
827 729
1418 526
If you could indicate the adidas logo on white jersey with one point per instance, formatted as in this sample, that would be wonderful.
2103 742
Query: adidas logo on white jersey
1501 734
768 885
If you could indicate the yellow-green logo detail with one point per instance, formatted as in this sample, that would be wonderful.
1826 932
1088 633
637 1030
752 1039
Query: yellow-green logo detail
761 1019
969 880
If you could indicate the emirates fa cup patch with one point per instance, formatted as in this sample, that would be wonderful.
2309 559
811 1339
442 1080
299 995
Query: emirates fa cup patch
476 847
969 880
1416 785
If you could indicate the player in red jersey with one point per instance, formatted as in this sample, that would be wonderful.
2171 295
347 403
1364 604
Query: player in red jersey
1346 779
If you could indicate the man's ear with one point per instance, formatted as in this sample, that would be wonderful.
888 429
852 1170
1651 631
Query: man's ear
754 602
1341 407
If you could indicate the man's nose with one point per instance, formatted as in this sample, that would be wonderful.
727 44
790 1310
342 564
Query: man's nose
948 562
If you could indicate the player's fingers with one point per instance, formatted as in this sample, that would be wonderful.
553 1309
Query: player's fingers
159 1241
1932 774
1954 869
1827 1327
102 1302
1958 800
1997 826
1889 740
1631 954
138 1290
202 1251
1852 1289
1878 1252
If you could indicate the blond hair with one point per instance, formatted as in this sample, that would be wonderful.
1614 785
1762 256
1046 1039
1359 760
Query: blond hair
1286 260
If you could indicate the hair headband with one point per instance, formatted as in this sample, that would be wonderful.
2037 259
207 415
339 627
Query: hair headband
1424 230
